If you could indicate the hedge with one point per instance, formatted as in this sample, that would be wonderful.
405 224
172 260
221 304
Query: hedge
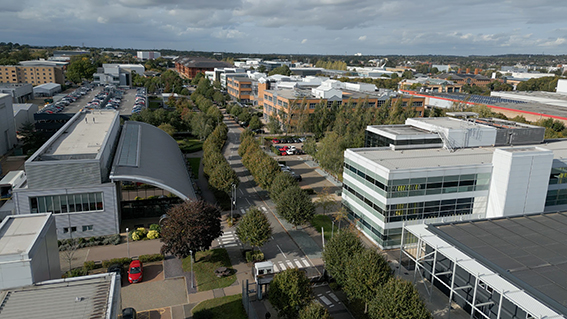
66 244
252 256
127 261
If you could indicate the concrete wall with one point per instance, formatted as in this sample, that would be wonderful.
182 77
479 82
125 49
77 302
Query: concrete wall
7 127
49 174
44 254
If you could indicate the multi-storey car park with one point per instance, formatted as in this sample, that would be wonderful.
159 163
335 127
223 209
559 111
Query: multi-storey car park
434 170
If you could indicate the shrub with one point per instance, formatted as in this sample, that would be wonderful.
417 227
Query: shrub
89 265
122 261
142 231
253 256
76 272
155 227
135 236
150 258
153 234
204 314
89 242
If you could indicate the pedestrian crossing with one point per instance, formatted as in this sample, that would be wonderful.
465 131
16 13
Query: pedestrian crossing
228 239
327 299
287 264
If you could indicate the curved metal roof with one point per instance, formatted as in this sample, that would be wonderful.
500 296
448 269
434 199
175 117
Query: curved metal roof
146 154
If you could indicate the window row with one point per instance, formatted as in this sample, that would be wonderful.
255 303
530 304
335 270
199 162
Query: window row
426 185
375 140
74 228
418 210
60 204
558 176
556 197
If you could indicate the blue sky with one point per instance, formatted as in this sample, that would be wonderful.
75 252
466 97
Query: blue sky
371 27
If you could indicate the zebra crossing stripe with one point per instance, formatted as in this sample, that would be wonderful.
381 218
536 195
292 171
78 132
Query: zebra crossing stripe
305 262
282 266
289 264
299 265
264 208
276 268
243 211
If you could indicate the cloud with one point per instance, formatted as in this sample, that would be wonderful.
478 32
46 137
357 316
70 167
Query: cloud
283 26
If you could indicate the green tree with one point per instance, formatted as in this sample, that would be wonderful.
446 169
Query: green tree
283 70
255 123
254 228
314 310
80 67
168 128
261 69
223 177
282 181
365 274
326 200
197 78
192 225
290 291
338 251
295 206
310 146
274 125
398 298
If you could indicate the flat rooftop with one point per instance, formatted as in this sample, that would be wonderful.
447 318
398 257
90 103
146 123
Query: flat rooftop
400 129
439 157
17 233
85 135
448 122
530 250
72 298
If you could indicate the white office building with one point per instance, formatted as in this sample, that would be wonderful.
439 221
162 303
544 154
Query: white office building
117 74
147 55
434 170
28 250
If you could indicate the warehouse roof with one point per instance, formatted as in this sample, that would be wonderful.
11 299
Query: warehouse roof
87 297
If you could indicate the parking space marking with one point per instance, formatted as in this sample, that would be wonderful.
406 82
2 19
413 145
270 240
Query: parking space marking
299 265
305 262
289 264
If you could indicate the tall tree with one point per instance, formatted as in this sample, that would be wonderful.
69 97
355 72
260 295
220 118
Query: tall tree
255 123
295 206
80 67
282 182
223 177
365 274
289 292
254 228
338 252
192 225
398 298
314 310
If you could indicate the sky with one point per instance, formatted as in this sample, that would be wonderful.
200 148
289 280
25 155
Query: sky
370 27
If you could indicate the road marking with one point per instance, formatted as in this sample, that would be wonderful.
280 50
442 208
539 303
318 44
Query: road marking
326 301
231 245
264 209
289 264
241 192
281 251
282 266
299 265
332 295
248 201
243 211
305 262
276 268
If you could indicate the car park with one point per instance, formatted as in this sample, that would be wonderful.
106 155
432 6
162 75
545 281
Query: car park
275 141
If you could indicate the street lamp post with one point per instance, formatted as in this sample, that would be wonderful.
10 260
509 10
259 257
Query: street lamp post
128 241
233 199
191 254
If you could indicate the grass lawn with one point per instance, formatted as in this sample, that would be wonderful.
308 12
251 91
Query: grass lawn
206 262
324 221
190 145
221 307
194 162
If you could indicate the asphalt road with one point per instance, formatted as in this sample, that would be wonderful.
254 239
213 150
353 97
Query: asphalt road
281 250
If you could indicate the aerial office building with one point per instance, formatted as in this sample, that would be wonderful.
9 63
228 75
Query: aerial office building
7 126
435 170
76 174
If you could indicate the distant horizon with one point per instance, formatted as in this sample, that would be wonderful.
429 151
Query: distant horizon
284 54
297 27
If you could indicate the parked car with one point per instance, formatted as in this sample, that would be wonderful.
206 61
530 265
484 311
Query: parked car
129 313
275 141
296 176
135 271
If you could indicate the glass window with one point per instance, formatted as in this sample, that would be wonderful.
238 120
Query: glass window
88 228
64 208
78 203
92 202
73 229
71 200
